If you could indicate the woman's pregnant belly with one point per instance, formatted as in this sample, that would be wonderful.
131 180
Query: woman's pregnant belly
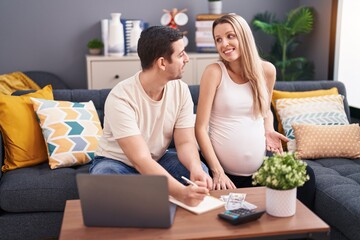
239 144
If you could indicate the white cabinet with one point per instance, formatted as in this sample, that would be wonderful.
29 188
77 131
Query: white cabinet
196 66
107 71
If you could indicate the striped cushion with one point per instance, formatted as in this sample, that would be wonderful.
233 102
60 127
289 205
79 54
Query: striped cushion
70 129
283 94
322 110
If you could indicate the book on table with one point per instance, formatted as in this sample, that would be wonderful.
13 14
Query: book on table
209 203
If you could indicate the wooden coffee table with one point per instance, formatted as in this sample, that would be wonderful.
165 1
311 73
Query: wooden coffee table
304 224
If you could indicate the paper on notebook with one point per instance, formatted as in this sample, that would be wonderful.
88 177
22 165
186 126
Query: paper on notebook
209 203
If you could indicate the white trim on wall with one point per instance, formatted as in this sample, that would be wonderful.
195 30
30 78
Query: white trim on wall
347 49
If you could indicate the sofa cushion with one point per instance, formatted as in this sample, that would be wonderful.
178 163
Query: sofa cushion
338 193
325 110
20 130
321 141
301 86
284 94
71 130
36 226
37 188
84 95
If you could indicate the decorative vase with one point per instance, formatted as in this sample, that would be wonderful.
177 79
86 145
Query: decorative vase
215 7
105 35
135 35
281 203
116 36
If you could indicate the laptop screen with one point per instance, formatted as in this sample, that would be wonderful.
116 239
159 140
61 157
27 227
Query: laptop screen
125 201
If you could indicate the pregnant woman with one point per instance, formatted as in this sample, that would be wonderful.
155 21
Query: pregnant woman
234 123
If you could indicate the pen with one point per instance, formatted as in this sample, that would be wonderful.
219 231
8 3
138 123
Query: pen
189 181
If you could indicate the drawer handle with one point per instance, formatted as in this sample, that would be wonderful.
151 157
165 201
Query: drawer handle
116 76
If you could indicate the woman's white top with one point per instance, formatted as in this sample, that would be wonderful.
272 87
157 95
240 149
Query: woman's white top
237 137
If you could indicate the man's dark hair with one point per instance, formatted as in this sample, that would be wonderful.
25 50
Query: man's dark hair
156 42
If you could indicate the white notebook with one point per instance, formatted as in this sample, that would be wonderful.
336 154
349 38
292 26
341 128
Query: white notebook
209 203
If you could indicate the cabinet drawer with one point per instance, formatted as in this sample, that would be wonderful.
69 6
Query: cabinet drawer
106 74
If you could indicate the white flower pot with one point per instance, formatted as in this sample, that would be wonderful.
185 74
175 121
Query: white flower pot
215 7
281 203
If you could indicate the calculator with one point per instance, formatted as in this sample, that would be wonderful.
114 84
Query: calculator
240 215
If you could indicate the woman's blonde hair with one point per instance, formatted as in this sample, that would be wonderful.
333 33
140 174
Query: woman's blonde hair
250 60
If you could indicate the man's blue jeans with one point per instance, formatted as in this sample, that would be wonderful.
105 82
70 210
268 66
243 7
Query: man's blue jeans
170 162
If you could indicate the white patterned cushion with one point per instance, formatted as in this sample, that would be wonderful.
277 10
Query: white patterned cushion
322 110
71 131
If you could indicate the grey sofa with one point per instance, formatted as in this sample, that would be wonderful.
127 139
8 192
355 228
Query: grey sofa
32 199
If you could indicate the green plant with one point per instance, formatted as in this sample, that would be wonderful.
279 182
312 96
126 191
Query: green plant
95 43
298 21
281 172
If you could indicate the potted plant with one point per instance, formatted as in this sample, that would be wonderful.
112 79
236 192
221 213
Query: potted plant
95 46
281 174
215 6
298 21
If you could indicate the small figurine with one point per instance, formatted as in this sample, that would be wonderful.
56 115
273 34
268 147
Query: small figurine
175 18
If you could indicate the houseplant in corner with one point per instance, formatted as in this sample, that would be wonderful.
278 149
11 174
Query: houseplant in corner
286 33
95 46
281 174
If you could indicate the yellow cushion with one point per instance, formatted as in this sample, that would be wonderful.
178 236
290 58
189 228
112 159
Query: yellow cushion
281 94
21 132
16 81
324 141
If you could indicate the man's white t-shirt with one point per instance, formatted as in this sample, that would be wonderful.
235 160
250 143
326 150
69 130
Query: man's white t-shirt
129 111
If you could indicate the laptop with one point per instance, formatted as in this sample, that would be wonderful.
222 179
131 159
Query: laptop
125 201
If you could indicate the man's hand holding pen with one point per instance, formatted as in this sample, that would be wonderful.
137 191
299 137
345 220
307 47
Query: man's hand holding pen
195 192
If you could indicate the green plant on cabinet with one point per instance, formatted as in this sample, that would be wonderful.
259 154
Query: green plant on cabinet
95 43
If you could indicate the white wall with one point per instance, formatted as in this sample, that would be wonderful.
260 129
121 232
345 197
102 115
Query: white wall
347 50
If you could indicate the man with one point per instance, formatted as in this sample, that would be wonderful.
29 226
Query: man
144 112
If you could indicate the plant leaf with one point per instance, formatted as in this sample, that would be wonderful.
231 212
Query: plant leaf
283 33
265 27
266 17
300 20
